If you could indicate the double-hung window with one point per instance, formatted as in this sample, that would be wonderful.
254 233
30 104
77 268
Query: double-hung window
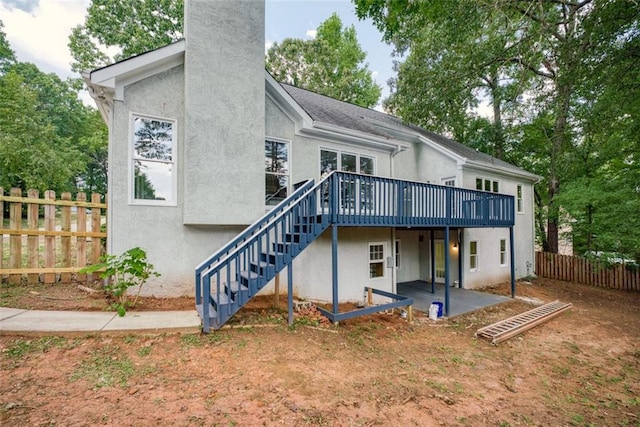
376 260
276 166
503 252
332 160
153 174
519 201
473 255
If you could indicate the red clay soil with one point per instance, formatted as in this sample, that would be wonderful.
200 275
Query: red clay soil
580 368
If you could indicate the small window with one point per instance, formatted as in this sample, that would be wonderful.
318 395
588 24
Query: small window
276 166
503 252
487 185
376 260
331 160
519 201
473 255
366 165
153 167
397 254
449 182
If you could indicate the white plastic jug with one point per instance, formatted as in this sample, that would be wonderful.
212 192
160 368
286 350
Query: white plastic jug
433 312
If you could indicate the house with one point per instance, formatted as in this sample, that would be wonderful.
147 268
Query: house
203 142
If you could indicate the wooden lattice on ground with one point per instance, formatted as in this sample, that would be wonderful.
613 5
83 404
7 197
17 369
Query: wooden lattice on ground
515 325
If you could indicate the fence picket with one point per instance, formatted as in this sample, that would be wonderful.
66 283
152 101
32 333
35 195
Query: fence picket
81 241
32 240
15 241
588 272
43 246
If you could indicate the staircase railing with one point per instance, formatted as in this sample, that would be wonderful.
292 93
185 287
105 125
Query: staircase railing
246 233
237 272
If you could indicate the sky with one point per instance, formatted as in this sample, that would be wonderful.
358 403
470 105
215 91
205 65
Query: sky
38 31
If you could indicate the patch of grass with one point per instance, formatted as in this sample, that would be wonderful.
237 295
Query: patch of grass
20 348
561 370
106 367
191 340
144 351
437 386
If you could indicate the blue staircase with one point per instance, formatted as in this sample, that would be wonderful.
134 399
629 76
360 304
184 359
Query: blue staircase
237 272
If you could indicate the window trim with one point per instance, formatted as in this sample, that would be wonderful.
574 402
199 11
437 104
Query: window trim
131 169
339 154
503 253
381 261
444 181
473 255
289 163
519 199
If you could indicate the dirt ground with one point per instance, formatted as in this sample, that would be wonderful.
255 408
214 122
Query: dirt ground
581 368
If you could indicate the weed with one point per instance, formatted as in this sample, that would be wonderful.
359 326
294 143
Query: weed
577 419
438 386
130 339
106 367
190 340
144 351
129 269
20 348
562 370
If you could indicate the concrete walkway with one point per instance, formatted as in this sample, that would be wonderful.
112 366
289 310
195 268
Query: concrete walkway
14 320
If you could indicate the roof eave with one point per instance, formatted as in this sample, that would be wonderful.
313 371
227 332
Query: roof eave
354 137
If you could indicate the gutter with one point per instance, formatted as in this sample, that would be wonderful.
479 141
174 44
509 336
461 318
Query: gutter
353 136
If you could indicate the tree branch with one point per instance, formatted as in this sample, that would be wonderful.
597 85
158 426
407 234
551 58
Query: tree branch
550 75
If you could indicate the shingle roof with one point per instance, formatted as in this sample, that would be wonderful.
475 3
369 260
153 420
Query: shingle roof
324 109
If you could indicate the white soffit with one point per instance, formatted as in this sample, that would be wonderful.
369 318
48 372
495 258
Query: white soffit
120 74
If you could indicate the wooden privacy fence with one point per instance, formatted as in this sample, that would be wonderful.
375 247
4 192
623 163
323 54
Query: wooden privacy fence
57 238
587 271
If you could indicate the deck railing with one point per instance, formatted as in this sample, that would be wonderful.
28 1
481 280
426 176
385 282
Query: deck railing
367 200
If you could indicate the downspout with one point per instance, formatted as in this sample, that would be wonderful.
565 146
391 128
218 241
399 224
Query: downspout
394 286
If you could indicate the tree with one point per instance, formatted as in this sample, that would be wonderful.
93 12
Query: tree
543 50
7 55
32 155
129 26
332 64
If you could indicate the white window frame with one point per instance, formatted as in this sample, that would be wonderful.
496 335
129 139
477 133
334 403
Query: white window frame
339 154
492 182
449 182
473 256
376 261
173 201
503 253
288 174
519 199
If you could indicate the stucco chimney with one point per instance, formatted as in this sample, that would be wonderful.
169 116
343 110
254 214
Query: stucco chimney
224 111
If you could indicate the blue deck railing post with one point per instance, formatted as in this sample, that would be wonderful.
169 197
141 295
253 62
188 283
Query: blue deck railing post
334 266
447 267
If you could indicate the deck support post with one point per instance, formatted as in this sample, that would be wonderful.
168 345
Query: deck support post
290 292
276 294
512 262
460 258
433 261
334 266
446 271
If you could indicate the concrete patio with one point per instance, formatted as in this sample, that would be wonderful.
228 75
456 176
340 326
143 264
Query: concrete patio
461 300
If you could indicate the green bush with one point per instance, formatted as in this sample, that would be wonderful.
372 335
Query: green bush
124 271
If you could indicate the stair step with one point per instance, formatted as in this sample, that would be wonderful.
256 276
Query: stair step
235 287
263 268
222 299
247 276
292 237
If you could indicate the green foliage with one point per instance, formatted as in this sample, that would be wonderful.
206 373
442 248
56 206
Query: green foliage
130 26
32 154
7 55
130 269
561 79
331 64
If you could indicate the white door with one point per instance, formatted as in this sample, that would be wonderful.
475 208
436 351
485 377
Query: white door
440 266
